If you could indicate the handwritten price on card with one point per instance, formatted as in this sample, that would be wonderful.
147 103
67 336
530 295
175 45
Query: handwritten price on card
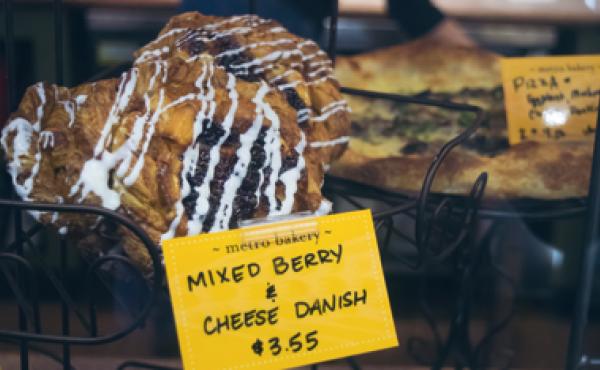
296 343
551 98
280 295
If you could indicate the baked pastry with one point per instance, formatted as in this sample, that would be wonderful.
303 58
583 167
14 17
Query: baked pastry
392 144
218 120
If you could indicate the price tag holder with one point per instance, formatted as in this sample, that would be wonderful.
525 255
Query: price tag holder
280 295
551 98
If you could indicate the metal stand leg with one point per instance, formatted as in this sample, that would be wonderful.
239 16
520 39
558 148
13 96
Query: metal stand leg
23 347
143 365
64 306
332 42
252 6
9 46
458 343
588 262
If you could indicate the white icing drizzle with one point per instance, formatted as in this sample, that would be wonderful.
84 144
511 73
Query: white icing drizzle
304 43
247 139
149 54
151 124
137 168
267 67
170 32
95 174
303 114
255 45
290 179
70 109
333 104
55 215
320 80
318 53
46 139
208 100
181 99
71 106
124 92
320 63
272 149
272 56
289 85
331 108
252 20
190 156
247 23
281 76
326 115
242 30
319 70
322 144
21 144
261 179
202 204
80 99
94 177
324 208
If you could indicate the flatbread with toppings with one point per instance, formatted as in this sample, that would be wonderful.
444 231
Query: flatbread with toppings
392 145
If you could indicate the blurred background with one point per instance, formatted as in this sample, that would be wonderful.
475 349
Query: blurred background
542 257
100 34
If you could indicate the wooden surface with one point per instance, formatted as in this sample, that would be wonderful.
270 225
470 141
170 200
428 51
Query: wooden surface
128 3
114 3
370 7
377 7
539 11
10 360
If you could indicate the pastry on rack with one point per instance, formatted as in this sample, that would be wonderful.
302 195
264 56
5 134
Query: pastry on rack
218 120
393 144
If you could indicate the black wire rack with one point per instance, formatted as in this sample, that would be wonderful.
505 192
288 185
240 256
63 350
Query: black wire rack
443 231
442 228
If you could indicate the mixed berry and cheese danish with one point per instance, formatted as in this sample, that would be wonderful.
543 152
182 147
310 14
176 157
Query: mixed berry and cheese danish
218 120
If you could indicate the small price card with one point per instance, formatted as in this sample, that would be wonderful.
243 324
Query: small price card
551 98
279 295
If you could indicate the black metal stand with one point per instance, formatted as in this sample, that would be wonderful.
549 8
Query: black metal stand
575 358
23 266
443 232
444 229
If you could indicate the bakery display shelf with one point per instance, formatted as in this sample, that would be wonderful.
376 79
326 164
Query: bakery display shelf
437 223
501 209
441 223
443 234
23 267
533 209
576 359
442 231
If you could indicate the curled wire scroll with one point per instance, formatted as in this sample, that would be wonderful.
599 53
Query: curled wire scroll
154 288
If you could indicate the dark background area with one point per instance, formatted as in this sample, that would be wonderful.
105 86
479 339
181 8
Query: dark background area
542 257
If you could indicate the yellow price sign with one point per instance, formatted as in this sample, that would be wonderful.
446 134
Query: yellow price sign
551 98
279 295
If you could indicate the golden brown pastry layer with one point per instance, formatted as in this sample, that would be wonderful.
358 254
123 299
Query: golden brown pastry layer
218 120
